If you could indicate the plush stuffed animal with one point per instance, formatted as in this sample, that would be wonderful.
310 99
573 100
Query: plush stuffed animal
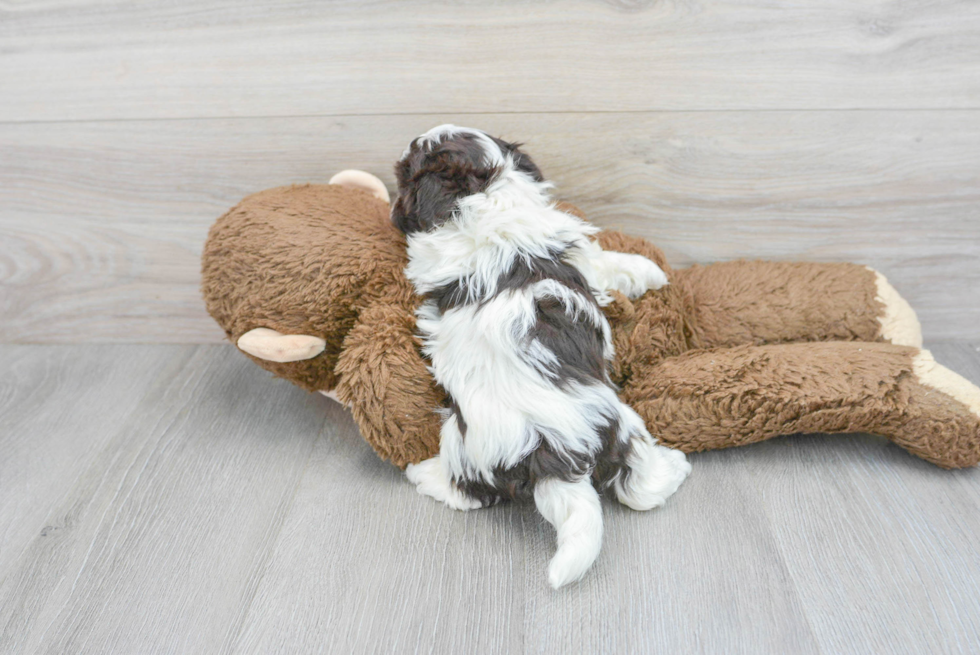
308 281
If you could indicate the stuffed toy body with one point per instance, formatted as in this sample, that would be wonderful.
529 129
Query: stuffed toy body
309 282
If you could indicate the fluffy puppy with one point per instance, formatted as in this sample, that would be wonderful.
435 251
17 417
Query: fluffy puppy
513 328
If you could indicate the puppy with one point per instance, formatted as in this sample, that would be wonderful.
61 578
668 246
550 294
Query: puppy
513 328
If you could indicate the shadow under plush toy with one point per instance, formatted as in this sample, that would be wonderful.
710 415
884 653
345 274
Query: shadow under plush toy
308 281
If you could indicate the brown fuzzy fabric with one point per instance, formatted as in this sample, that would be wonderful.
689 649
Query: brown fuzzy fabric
707 399
768 302
725 355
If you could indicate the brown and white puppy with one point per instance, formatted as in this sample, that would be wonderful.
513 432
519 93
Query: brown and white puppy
513 328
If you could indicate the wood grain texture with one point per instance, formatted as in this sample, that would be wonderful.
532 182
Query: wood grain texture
475 582
103 223
156 540
876 520
184 502
59 407
97 60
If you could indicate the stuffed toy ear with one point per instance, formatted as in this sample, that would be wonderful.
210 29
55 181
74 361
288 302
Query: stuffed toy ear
362 180
273 346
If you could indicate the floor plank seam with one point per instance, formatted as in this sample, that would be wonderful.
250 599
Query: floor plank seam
233 635
438 112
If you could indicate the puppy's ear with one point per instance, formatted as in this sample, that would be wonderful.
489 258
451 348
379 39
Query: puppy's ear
402 216
430 181
524 164
522 161
434 199
423 204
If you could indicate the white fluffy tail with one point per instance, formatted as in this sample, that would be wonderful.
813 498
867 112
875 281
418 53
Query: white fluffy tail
575 511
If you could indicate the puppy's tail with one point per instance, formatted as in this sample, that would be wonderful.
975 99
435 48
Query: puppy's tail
574 509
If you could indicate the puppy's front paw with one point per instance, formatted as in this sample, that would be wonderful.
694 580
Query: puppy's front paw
649 275
632 275
431 479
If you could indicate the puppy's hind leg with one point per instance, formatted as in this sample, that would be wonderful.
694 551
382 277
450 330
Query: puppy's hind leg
651 473
574 509
432 479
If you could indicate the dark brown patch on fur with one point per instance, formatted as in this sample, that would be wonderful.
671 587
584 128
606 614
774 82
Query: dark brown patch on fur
612 459
522 162
524 273
576 344
458 413
517 483
448 296
431 178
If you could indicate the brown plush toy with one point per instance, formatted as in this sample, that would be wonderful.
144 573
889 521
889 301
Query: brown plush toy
308 281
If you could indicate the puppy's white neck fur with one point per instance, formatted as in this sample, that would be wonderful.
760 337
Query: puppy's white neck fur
515 218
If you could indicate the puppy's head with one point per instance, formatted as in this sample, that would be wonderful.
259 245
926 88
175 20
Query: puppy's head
448 163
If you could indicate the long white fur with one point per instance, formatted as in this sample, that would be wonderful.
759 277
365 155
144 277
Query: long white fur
503 385
574 510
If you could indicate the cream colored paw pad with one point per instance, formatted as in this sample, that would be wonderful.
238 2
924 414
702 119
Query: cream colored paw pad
899 324
935 375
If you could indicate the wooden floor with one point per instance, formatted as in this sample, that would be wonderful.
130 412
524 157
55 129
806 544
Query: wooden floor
160 494
177 499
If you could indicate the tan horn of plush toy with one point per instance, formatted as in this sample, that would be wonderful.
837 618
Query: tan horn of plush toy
308 281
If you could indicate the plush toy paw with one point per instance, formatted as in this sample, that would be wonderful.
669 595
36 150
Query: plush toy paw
935 375
431 479
899 324
655 473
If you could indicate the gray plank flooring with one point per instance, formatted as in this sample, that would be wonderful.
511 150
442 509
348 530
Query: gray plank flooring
176 499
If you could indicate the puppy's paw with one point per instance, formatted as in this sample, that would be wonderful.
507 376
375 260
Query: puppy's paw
632 275
648 274
655 474
431 479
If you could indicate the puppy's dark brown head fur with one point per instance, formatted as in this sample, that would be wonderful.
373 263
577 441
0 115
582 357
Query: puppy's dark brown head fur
439 169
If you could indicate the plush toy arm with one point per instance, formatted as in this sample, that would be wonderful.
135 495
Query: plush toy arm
708 399
384 380
753 302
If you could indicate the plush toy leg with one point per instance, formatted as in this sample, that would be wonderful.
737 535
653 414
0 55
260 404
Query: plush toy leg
745 302
362 180
716 398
